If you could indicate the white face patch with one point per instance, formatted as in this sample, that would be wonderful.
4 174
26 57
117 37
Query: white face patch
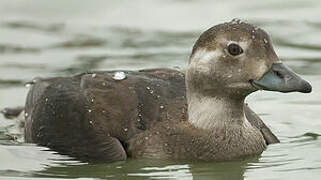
244 44
202 57
262 69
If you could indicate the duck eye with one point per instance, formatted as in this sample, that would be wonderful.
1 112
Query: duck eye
234 49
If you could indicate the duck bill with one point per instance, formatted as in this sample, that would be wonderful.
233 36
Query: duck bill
281 78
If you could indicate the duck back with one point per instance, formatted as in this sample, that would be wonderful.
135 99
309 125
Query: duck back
93 116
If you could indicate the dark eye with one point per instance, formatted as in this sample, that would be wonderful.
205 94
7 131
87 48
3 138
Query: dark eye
234 49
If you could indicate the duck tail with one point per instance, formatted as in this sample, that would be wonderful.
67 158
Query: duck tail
11 113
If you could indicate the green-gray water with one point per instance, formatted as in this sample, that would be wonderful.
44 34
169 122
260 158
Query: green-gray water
49 38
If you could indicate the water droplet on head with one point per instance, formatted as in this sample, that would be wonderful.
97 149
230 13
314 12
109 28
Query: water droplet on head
104 84
162 107
91 122
148 88
92 100
93 75
125 129
265 41
89 110
236 21
26 114
119 75
46 99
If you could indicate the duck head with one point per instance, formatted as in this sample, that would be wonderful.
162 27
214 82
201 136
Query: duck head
236 59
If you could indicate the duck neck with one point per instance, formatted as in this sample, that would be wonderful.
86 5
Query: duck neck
212 112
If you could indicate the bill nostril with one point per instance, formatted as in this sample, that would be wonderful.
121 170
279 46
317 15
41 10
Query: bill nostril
278 73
